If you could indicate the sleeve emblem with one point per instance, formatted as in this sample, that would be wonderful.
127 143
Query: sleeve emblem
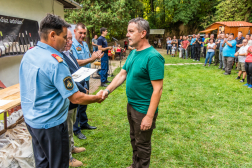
68 83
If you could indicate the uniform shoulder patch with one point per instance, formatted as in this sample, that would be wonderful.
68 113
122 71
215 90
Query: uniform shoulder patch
58 58
78 48
68 82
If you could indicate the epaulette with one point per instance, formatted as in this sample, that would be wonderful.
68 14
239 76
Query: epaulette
58 58
31 48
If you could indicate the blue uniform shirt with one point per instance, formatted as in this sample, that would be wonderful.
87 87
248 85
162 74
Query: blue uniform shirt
193 40
81 52
229 51
101 41
203 39
45 85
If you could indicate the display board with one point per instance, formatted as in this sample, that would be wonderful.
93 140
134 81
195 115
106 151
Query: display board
17 35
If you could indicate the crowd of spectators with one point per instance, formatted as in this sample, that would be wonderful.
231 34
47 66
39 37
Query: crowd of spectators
223 50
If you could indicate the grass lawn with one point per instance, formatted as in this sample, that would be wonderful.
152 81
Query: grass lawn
204 121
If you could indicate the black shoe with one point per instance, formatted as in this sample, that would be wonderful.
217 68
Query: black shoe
80 136
238 77
108 81
104 85
88 127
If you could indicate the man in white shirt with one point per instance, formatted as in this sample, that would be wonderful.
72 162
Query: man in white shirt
242 53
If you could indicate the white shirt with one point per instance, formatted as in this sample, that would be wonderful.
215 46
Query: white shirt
67 53
211 45
242 50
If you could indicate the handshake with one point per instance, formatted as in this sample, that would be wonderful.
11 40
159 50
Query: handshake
102 95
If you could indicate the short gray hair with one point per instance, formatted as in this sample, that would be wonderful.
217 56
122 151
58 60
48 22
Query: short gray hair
142 24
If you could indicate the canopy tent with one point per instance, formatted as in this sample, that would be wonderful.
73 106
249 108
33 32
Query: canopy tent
208 30
157 31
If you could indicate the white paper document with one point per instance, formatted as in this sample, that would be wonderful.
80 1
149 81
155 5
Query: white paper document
82 73
3 102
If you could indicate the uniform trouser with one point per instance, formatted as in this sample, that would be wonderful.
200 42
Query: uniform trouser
184 52
221 60
104 70
248 68
216 57
140 140
81 117
50 146
169 49
71 118
192 51
228 61
197 53
204 51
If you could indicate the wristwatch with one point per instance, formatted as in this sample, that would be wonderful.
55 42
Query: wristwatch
107 91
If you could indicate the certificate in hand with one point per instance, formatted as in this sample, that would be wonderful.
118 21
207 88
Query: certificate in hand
82 73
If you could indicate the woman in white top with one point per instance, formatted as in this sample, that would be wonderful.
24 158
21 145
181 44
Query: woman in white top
211 46
250 41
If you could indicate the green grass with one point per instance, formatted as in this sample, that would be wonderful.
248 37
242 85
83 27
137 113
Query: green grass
204 121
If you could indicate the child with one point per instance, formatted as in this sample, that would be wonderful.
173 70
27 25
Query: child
173 50
180 51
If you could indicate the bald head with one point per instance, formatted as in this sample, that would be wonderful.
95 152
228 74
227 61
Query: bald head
69 40
244 42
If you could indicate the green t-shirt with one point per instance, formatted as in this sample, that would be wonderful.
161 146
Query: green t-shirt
142 67
205 45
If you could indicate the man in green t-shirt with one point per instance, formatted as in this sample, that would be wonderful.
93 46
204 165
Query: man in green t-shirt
205 45
144 73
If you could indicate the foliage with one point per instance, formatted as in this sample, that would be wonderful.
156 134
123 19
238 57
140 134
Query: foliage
99 13
233 10
204 120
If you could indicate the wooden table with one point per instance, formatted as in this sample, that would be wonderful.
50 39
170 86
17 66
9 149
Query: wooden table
9 93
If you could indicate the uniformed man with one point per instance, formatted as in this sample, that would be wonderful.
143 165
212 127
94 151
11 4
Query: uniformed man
46 86
81 52
103 45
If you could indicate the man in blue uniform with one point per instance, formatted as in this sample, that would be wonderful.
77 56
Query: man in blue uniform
103 45
46 86
82 54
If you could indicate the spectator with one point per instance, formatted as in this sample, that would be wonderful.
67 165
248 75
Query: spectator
189 47
239 40
247 37
212 37
216 55
155 43
242 53
211 46
159 43
248 67
221 58
202 46
94 43
205 44
169 45
193 46
175 41
197 47
173 50
180 40
228 53
185 44
250 41
126 44
227 35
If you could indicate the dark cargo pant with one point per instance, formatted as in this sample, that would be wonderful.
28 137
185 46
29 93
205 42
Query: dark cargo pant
140 140
228 62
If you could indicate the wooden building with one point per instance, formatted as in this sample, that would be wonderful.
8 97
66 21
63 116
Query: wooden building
229 27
